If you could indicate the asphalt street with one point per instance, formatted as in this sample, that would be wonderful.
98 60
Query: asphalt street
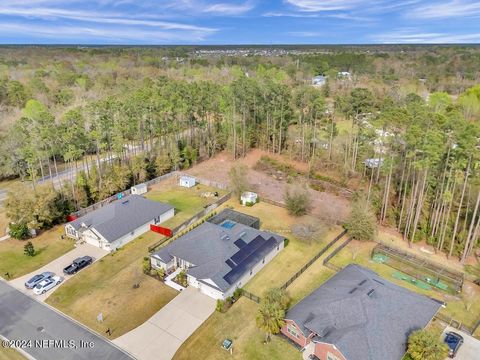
47 335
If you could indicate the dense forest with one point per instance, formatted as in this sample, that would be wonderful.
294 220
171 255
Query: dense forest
405 123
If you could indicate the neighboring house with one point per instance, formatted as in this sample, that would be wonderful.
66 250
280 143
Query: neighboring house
219 258
319 80
139 189
248 198
373 163
119 222
187 181
358 315
344 75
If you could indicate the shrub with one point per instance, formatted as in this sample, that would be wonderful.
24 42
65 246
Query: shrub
19 231
237 293
426 345
29 249
297 200
147 266
220 305
362 223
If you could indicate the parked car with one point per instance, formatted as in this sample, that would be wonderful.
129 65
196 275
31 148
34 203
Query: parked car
43 286
77 265
30 284
454 341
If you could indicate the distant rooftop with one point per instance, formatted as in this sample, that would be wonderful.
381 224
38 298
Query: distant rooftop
363 315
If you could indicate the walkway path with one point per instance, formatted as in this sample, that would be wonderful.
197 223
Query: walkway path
161 336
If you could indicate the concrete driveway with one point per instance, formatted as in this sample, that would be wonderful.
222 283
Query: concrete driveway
470 349
57 267
161 336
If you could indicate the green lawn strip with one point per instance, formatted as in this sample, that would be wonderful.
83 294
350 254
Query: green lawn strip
107 287
237 324
10 354
48 247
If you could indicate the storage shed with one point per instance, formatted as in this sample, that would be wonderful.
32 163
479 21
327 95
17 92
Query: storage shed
248 198
187 181
139 189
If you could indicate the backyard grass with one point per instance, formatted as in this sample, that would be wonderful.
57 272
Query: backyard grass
290 259
107 287
237 324
187 202
456 308
48 246
10 354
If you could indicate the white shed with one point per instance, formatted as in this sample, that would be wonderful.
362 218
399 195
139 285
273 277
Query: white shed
139 189
187 181
248 198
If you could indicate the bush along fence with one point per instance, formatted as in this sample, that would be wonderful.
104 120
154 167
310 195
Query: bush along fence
312 260
326 261
192 222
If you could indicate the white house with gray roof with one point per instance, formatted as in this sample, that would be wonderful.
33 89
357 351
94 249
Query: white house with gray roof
113 225
219 258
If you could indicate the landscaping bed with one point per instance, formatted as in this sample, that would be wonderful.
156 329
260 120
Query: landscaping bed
48 246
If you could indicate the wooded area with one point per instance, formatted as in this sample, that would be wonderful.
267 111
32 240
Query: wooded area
406 125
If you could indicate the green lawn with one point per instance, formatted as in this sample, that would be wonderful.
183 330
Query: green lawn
48 246
10 354
107 287
187 202
456 308
237 324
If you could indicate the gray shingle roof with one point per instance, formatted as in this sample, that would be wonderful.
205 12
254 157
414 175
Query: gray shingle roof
209 246
365 316
122 216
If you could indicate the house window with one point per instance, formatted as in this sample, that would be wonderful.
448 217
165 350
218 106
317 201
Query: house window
263 261
251 271
278 247
292 331
330 356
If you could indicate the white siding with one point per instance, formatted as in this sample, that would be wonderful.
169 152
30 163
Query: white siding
71 232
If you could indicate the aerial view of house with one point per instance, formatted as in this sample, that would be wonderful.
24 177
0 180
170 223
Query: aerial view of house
118 223
219 258
358 315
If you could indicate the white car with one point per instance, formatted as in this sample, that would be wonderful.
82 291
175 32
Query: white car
45 285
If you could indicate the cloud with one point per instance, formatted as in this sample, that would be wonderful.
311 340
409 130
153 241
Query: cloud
229 9
324 5
413 36
447 9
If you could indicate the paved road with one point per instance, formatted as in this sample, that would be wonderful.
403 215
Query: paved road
160 337
22 318
57 267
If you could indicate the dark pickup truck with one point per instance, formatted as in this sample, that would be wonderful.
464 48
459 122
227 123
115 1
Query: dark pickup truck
454 341
77 265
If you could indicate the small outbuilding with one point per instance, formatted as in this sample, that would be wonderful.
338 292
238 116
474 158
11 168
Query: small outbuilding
139 189
187 181
249 198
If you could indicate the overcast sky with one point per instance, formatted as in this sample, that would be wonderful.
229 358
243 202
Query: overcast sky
238 22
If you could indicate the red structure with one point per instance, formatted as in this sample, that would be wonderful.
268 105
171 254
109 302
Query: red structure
161 230
71 218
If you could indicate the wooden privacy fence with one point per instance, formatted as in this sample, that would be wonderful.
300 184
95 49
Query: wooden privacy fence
312 260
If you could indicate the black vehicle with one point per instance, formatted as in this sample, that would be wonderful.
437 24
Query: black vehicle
454 341
77 265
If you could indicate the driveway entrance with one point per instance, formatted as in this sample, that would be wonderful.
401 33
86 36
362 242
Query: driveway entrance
161 336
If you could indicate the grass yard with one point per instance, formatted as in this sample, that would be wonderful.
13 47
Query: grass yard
10 354
358 252
187 202
107 287
237 324
48 246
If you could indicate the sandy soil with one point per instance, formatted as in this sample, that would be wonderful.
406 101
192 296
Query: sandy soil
217 168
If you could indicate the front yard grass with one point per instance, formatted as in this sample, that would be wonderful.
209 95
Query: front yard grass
48 246
456 308
10 354
237 324
107 287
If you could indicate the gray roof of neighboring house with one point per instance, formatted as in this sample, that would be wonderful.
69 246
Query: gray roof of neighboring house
220 253
363 315
121 217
